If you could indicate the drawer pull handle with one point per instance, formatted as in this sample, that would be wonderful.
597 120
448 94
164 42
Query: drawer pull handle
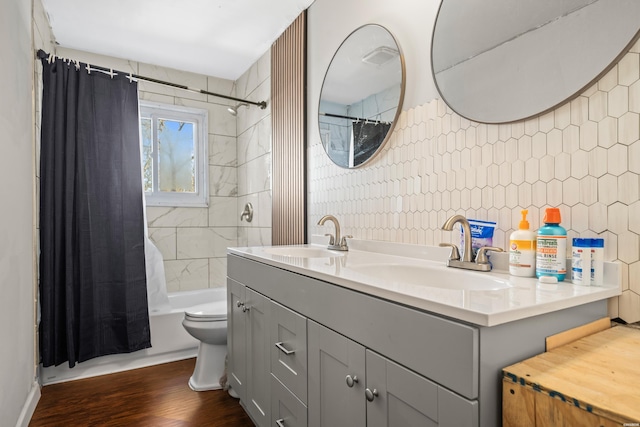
351 380
370 395
283 349
280 422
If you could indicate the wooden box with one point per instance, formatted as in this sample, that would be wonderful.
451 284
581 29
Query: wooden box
594 381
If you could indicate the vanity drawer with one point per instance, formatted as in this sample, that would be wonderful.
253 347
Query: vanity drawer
286 409
289 349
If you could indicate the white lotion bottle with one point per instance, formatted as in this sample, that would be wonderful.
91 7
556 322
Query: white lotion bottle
522 250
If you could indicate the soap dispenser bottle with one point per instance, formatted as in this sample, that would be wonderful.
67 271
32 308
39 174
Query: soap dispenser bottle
551 247
522 249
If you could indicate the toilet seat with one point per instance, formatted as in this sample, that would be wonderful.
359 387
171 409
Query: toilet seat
209 312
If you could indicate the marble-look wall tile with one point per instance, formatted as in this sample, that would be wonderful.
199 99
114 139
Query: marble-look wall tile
224 212
176 217
185 78
223 87
222 150
255 176
255 76
255 141
254 114
186 275
209 242
165 241
223 181
217 272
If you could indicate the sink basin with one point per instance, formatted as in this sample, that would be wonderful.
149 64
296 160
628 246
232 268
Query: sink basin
434 277
302 252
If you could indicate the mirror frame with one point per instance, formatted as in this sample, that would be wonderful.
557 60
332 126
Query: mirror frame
555 103
403 84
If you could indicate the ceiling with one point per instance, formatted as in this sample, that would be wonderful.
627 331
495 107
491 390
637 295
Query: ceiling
219 38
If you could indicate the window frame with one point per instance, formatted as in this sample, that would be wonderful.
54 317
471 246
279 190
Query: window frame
200 117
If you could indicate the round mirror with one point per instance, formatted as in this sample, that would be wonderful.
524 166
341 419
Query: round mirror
361 96
500 61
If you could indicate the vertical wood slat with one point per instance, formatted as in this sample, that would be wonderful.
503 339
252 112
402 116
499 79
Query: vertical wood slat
288 124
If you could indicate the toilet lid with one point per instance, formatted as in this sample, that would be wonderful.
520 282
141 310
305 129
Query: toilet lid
211 311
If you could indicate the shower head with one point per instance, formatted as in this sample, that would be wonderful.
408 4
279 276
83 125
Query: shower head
234 110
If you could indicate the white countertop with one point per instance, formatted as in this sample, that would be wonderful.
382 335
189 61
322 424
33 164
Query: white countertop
512 299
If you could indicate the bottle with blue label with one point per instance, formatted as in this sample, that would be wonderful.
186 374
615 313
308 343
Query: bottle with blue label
551 247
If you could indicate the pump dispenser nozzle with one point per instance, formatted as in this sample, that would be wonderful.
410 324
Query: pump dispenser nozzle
524 224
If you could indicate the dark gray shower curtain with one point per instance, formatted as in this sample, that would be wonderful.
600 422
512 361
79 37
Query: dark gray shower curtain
93 295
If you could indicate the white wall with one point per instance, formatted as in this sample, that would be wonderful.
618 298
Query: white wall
17 370
582 157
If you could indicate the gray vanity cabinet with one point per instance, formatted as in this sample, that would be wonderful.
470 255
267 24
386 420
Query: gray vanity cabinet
251 380
354 386
336 379
426 369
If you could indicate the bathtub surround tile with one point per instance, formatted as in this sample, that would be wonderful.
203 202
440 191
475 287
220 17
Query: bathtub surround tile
185 78
165 241
209 242
223 212
223 181
222 150
158 216
255 175
255 141
217 272
186 275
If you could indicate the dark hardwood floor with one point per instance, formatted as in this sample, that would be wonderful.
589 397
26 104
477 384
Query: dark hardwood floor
157 396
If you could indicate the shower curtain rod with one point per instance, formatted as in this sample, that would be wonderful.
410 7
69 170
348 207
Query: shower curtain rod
44 55
357 119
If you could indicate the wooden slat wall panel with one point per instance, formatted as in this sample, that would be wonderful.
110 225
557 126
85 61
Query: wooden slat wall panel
288 100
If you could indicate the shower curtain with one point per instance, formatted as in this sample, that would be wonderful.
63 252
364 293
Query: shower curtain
93 295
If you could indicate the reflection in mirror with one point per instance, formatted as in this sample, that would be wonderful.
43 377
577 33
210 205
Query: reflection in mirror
500 61
361 96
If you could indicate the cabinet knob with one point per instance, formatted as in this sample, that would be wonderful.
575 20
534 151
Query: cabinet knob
280 422
239 304
370 395
245 308
351 380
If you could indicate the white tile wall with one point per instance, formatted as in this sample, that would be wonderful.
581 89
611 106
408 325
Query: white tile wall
254 154
583 157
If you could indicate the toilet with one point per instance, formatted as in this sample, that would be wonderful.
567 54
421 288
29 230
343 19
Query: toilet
208 324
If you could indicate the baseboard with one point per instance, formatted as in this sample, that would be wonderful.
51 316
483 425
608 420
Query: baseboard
29 406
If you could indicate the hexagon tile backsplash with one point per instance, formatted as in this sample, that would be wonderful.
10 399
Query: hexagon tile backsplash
583 157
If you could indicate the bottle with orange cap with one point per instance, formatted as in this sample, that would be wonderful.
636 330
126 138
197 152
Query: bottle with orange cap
522 249
551 248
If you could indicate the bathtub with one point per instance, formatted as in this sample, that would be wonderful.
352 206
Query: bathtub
169 340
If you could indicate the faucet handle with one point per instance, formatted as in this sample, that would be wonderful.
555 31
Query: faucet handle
482 258
455 253
343 241
332 240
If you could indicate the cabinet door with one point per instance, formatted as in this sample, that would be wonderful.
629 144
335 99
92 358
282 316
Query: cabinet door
237 338
400 397
258 401
332 400
286 409
289 349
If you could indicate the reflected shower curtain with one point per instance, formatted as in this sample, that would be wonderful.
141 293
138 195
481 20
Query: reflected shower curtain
93 295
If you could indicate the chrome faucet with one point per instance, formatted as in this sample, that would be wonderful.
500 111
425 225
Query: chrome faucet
336 243
481 262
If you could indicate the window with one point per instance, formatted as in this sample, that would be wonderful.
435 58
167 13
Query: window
174 155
